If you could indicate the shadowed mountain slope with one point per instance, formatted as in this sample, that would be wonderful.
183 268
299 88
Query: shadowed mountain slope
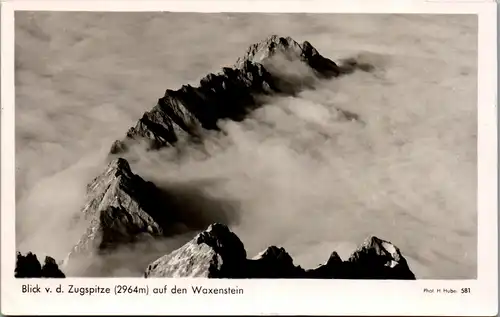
28 266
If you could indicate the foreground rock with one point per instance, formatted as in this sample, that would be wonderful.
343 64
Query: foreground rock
218 253
181 114
28 266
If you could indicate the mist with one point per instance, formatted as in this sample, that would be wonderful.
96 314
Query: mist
297 172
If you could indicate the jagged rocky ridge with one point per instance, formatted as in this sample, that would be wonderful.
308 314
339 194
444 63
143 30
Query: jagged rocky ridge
122 208
181 114
218 253
28 266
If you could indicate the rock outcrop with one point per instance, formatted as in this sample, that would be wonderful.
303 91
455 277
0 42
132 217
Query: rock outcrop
121 208
218 253
376 259
28 266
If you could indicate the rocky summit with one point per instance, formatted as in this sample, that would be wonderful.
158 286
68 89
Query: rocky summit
123 209
218 253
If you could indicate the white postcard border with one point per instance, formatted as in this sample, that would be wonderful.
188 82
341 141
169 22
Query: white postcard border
319 297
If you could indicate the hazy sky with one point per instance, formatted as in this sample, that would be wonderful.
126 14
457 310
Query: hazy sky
296 175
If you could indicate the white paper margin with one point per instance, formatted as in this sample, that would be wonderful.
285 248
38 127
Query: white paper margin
293 297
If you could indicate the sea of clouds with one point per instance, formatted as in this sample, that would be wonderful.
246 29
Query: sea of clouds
295 173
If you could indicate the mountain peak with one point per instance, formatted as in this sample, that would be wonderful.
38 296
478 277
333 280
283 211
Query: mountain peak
28 266
218 253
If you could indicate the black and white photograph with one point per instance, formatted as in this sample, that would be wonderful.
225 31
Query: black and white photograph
246 145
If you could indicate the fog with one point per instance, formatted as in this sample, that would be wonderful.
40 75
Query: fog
295 173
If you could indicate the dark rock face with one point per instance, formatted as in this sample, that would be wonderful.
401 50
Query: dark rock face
218 253
28 266
273 262
231 94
